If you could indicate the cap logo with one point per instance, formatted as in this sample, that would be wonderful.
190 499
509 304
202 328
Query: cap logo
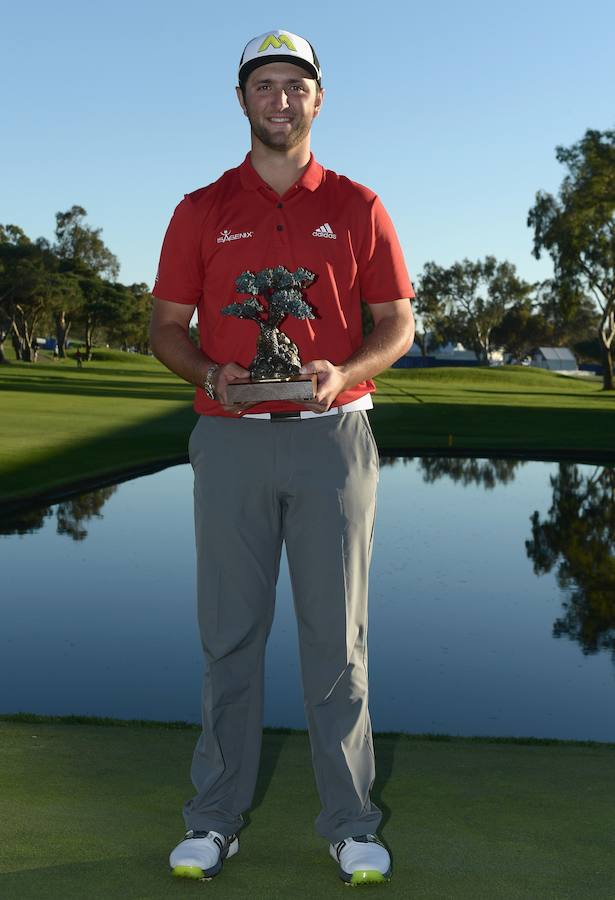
276 42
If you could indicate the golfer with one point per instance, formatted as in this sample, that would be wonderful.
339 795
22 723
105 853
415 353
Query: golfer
275 473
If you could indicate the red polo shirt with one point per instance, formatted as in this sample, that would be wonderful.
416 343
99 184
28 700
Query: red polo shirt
334 227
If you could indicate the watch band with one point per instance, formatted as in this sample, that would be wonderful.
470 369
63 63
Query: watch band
208 383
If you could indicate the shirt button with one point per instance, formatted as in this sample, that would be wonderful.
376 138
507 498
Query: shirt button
280 227
280 205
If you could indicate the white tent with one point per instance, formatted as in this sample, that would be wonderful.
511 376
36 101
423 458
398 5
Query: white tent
556 359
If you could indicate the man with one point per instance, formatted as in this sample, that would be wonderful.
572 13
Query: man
280 472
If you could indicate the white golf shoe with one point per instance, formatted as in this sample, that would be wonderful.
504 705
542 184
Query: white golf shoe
362 860
201 853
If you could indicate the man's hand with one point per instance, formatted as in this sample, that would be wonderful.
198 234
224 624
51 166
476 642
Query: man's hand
331 382
226 375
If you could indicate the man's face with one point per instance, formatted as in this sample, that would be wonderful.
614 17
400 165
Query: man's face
281 102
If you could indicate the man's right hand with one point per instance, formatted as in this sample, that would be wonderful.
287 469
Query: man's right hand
226 375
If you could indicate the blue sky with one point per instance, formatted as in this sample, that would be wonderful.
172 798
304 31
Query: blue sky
451 111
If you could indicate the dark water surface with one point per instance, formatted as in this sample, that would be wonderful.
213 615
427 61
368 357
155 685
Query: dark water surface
492 606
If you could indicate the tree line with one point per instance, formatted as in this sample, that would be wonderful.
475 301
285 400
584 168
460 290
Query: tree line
53 287
484 303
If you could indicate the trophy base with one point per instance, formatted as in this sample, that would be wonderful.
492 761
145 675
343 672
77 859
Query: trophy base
296 388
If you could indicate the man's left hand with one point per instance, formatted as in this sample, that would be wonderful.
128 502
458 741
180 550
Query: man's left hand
331 383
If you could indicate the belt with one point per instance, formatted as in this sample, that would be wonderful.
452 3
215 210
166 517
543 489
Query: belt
364 402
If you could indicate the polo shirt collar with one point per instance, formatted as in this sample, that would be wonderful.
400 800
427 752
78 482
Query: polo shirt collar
252 181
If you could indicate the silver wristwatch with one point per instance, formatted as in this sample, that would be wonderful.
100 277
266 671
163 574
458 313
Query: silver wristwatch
208 384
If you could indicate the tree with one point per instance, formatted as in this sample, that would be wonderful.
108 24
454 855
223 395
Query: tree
5 328
437 317
469 299
568 312
29 283
520 330
578 537
578 230
83 252
99 308
281 293
137 317
484 472
72 514
12 243
10 236
24 521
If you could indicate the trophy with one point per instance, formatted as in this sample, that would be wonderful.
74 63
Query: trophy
274 371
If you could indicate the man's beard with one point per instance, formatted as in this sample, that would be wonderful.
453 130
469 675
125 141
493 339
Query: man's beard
281 140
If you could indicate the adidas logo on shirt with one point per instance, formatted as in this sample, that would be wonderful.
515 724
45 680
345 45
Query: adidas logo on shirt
324 231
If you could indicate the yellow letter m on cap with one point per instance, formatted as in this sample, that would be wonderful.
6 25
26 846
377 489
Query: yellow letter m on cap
273 41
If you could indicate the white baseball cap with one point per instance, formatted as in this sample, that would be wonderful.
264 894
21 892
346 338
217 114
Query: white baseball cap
279 46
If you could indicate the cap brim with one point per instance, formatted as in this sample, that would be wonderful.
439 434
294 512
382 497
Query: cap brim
253 64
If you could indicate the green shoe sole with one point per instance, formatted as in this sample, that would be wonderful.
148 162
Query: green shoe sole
367 876
188 872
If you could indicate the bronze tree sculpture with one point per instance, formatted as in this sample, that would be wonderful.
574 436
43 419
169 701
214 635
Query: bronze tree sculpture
282 294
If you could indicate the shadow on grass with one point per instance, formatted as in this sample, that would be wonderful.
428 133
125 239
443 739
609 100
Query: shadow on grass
384 749
578 434
82 878
272 747
62 386
550 396
527 430
106 459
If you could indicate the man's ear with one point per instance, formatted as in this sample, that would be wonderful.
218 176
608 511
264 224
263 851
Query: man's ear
319 101
239 93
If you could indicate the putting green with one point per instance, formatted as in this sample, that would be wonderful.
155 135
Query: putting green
88 811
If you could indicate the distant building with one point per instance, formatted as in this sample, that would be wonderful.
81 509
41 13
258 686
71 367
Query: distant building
456 352
450 355
555 359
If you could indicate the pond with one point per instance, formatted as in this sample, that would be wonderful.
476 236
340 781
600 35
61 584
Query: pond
492 604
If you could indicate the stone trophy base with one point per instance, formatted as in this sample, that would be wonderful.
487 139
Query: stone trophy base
296 388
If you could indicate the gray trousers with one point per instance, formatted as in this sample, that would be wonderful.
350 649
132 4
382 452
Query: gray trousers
312 485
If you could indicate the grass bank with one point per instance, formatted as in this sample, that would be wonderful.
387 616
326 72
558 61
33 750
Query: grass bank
515 410
92 811
64 426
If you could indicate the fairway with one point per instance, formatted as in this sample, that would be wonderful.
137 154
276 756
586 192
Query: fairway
63 425
514 409
92 811
66 428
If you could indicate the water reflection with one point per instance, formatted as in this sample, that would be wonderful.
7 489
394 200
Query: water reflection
71 515
484 472
461 620
577 538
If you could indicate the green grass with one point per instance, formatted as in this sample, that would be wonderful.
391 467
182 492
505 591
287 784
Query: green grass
64 427
513 409
91 811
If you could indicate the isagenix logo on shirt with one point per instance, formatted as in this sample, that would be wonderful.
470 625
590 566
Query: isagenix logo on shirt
226 236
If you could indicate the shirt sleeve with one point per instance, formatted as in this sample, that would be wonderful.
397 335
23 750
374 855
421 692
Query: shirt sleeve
180 271
383 275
